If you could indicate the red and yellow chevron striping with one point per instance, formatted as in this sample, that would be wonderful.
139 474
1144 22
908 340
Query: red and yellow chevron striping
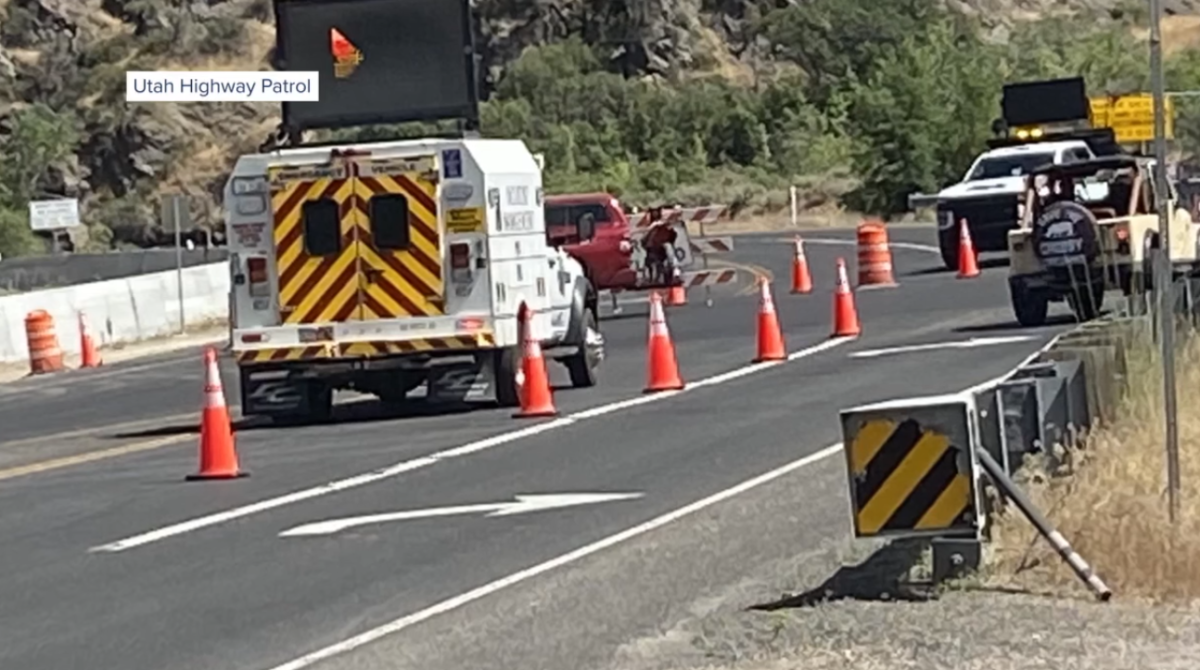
368 349
406 282
360 279
281 354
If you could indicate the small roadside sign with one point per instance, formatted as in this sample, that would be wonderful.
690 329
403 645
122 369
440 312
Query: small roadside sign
1131 116
176 214
57 214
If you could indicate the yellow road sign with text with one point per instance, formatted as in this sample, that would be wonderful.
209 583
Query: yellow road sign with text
1130 116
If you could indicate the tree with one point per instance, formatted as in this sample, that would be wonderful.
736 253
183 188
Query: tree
40 139
920 117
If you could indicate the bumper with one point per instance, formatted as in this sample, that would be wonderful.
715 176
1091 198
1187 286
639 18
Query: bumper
334 351
989 221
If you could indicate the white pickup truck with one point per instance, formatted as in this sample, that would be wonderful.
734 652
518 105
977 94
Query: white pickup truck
989 194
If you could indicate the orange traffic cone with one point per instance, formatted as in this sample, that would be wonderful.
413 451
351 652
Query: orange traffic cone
218 455
534 384
968 264
770 335
89 357
845 314
662 367
801 277
677 296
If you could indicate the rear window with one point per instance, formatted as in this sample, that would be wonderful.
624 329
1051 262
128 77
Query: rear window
322 227
389 221
1009 166
562 221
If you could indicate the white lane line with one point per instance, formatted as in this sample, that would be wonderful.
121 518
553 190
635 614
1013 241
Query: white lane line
552 564
852 243
457 452
952 344
458 601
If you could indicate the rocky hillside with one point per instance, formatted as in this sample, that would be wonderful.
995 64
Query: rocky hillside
71 55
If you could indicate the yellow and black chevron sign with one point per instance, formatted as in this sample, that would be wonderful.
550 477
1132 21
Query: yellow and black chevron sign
906 478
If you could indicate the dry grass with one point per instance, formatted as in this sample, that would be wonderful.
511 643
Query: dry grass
1112 506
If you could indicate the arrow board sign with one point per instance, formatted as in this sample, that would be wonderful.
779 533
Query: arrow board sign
961 344
522 505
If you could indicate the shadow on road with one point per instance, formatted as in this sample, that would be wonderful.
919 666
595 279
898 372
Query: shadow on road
984 264
1001 326
347 413
883 576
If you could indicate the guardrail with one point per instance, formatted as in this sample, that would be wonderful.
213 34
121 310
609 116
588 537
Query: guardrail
120 310
935 468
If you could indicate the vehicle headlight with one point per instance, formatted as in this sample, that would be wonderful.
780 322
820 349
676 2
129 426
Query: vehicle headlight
945 219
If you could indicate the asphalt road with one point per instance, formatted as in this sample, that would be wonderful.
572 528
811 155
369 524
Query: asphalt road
229 592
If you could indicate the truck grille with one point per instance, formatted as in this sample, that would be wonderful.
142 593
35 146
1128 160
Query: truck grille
989 219
983 212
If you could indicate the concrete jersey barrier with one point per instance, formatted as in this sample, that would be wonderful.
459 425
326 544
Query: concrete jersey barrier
118 310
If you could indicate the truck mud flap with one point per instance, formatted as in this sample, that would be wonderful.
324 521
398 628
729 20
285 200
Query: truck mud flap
274 392
468 382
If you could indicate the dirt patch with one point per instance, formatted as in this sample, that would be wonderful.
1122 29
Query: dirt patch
873 613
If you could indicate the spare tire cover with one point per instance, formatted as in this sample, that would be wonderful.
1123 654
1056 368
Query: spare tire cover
1065 234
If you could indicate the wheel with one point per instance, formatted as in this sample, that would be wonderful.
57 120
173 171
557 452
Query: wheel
581 366
1030 307
318 407
320 401
948 245
507 364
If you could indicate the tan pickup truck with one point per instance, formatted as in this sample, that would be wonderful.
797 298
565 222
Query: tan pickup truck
1089 226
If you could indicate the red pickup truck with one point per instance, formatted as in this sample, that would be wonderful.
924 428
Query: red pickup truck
593 228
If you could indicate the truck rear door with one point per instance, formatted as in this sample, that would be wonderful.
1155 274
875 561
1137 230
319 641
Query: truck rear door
315 234
399 239
357 240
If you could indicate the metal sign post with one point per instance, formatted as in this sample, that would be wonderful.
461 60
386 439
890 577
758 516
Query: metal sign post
1163 285
174 210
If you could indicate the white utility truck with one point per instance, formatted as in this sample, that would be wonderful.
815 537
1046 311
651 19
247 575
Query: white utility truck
387 266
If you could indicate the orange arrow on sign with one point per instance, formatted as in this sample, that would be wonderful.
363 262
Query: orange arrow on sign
346 56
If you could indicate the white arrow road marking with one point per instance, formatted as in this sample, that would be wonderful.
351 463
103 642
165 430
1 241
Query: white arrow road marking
960 344
522 505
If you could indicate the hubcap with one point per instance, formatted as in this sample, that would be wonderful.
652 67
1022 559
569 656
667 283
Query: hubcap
593 344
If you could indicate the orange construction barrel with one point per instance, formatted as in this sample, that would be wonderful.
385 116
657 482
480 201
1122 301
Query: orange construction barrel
44 353
874 255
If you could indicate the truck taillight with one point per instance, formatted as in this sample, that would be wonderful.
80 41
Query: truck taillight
460 262
256 271
460 256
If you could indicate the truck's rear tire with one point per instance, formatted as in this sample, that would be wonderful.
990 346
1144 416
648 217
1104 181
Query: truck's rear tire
321 404
1030 307
506 364
949 251
581 366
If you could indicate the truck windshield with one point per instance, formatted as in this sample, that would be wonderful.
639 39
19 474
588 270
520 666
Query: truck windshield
1008 166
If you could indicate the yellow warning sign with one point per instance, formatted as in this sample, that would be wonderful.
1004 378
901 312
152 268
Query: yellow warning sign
465 220
1130 116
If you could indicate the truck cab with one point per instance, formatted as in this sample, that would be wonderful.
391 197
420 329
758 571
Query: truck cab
383 267
990 192
593 228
